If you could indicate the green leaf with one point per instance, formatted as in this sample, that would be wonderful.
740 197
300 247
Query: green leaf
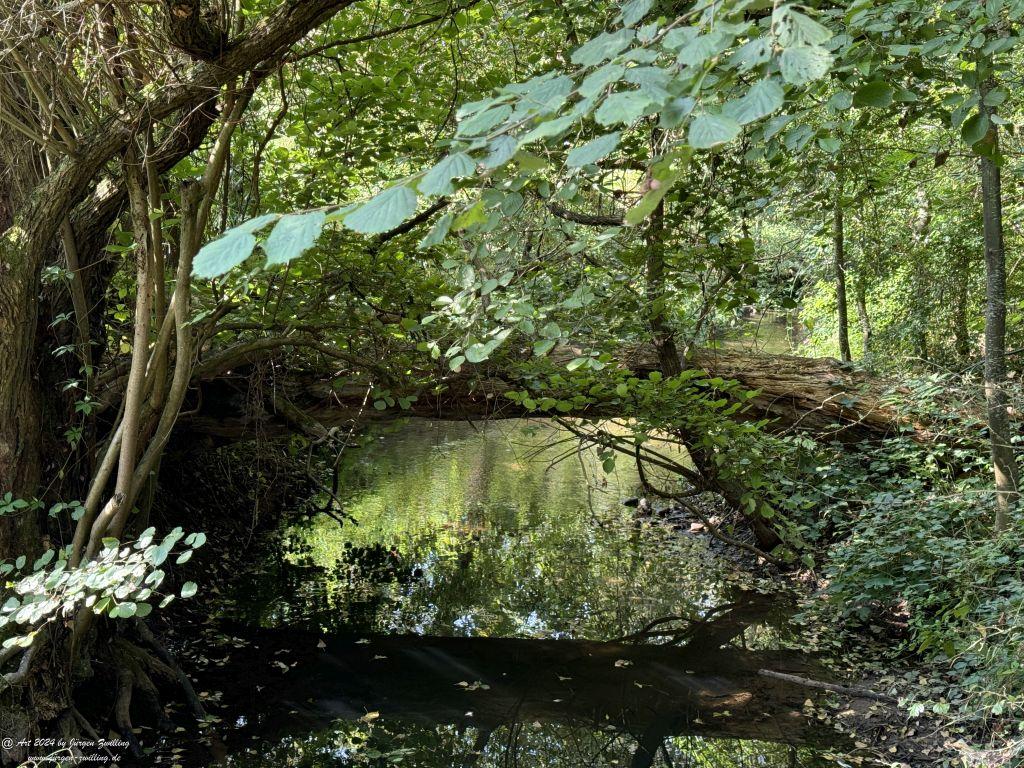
673 113
544 94
841 100
830 144
633 11
293 235
437 180
383 212
650 201
601 78
701 49
500 151
593 151
709 130
654 82
763 98
974 128
801 64
252 226
223 254
438 232
189 588
482 122
793 27
602 47
477 353
877 93
752 53
549 128
625 107
541 348
475 214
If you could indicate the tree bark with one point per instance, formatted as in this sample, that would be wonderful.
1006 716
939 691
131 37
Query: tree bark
922 308
961 334
20 404
1004 464
661 329
839 256
861 302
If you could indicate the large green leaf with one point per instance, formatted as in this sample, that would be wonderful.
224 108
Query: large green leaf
501 149
709 130
383 212
438 180
795 28
800 64
763 98
293 235
252 226
593 151
223 254
625 107
974 128
633 11
654 82
549 128
546 94
482 122
438 232
877 93
601 78
602 47
695 53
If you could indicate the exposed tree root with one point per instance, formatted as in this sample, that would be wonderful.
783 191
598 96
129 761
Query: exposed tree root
846 690
179 675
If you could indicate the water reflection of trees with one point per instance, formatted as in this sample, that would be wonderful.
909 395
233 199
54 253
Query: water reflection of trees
506 542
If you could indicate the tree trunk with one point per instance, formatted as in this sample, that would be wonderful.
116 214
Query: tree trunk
961 334
920 319
670 364
661 330
861 302
839 255
20 405
1003 463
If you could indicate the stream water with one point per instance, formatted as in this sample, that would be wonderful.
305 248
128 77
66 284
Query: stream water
478 612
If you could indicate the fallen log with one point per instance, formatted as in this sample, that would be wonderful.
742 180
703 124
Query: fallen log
822 396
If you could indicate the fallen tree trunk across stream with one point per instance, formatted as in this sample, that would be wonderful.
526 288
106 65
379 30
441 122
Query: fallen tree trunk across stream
818 395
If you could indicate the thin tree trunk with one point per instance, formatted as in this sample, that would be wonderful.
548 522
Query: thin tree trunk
661 330
961 334
861 302
921 292
839 255
1003 463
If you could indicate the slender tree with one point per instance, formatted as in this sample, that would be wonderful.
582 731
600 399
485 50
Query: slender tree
1004 464
839 264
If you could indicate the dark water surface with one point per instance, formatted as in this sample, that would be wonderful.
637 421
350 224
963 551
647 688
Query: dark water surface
480 613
